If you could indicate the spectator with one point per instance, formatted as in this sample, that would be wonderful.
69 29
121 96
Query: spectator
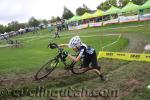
56 33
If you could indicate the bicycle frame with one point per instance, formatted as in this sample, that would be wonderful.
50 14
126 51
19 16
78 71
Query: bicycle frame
60 55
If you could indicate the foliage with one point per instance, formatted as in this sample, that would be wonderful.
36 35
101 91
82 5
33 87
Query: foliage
113 2
139 2
2 29
104 6
122 3
53 19
12 26
58 18
81 10
67 13
118 3
33 22
44 21
15 25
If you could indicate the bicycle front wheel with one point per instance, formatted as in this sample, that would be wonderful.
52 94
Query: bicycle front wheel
46 69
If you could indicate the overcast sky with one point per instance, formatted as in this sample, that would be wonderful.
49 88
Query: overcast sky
22 10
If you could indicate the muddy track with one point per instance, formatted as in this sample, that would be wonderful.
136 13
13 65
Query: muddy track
25 79
57 77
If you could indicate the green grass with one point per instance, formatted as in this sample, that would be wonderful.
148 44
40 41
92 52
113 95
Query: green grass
35 52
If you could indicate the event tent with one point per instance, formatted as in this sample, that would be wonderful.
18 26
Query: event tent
146 5
112 10
130 7
86 16
74 18
98 13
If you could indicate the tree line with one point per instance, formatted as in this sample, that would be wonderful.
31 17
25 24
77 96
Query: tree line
15 25
33 22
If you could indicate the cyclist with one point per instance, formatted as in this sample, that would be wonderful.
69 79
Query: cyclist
56 34
88 54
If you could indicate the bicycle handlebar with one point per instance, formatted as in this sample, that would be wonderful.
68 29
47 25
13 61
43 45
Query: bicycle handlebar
54 46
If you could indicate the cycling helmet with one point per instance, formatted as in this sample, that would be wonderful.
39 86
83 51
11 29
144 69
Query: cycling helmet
74 42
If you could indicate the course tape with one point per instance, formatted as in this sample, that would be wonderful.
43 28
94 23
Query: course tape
125 56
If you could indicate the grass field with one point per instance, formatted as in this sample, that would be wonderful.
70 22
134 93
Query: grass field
18 65
35 51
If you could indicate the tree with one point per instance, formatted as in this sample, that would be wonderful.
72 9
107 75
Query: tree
139 2
86 8
81 10
104 6
33 22
14 25
53 19
22 25
2 29
44 21
7 29
67 13
123 3
58 18
113 2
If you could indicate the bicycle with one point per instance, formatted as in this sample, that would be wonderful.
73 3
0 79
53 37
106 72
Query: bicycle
13 43
49 66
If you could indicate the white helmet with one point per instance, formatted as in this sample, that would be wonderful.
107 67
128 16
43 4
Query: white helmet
74 42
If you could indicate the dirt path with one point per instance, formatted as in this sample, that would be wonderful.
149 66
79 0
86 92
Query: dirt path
17 80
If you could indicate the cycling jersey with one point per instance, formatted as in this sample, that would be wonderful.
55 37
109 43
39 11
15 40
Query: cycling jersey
89 56
85 50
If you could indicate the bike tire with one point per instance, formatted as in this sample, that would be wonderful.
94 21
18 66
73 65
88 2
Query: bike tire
77 68
46 69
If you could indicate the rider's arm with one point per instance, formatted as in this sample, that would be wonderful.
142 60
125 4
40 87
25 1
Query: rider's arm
78 57
63 45
74 58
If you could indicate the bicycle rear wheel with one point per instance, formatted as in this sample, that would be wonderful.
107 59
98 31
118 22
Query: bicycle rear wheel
46 69
77 67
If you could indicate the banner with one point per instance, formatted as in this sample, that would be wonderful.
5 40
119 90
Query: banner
145 17
95 24
113 21
128 18
82 26
72 28
78 27
125 56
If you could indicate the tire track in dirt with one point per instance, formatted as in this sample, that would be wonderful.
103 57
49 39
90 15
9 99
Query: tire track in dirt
57 76
25 79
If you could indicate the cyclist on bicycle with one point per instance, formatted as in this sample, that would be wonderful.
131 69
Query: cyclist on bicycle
88 54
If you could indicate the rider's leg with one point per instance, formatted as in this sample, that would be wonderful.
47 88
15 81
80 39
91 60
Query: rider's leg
96 67
98 72
86 62
58 36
